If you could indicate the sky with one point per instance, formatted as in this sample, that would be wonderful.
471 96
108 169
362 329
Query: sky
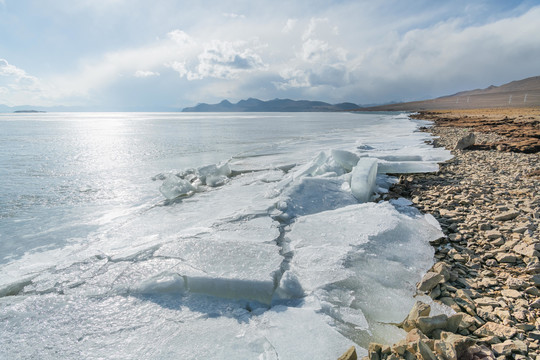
168 54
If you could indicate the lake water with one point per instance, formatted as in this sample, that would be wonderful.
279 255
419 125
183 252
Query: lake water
215 235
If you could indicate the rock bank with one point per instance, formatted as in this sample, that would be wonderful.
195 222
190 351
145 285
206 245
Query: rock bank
487 200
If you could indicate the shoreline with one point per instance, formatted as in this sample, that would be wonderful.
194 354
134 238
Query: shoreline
487 268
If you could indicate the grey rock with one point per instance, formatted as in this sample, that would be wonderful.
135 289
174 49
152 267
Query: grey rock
486 301
511 293
509 215
427 324
425 351
429 281
506 258
535 304
494 329
465 142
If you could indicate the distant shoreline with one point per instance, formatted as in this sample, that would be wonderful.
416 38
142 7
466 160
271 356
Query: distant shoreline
28 111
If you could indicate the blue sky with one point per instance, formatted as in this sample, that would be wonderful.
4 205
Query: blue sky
166 54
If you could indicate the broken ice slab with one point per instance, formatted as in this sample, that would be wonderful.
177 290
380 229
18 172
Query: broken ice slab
174 187
258 230
282 326
228 269
312 195
374 234
407 167
363 178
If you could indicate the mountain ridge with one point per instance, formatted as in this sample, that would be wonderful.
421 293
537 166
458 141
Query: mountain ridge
275 105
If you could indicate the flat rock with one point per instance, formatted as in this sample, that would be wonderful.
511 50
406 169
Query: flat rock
506 348
494 329
506 258
493 234
511 293
505 216
419 309
528 250
446 350
486 301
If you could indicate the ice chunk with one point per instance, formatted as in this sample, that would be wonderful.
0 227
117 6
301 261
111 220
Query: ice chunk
338 163
313 195
401 202
163 283
259 230
315 167
301 333
407 167
377 250
228 269
363 178
400 157
14 288
346 159
174 187
319 254
214 175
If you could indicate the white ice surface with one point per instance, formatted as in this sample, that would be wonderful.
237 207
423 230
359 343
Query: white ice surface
210 275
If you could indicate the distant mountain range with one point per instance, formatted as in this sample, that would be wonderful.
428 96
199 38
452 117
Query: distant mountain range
276 105
519 93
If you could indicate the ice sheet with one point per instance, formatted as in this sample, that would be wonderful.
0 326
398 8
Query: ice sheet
268 254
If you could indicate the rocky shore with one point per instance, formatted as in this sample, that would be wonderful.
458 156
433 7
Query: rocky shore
487 200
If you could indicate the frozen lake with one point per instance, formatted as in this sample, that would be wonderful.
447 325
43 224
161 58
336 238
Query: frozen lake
207 235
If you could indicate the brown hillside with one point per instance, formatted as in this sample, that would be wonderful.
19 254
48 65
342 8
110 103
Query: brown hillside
521 93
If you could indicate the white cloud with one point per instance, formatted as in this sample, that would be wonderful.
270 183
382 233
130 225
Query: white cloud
234 15
358 50
181 38
289 26
17 86
179 67
220 59
318 63
13 72
448 54
145 74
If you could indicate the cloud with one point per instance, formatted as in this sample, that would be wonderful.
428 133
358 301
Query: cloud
13 72
145 74
318 63
289 26
18 86
221 60
234 16
350 50
450 56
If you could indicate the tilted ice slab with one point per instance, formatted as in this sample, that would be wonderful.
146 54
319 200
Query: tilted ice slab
227 269
363 179
379 253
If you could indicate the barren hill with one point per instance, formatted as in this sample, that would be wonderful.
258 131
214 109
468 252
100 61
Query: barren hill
520 93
